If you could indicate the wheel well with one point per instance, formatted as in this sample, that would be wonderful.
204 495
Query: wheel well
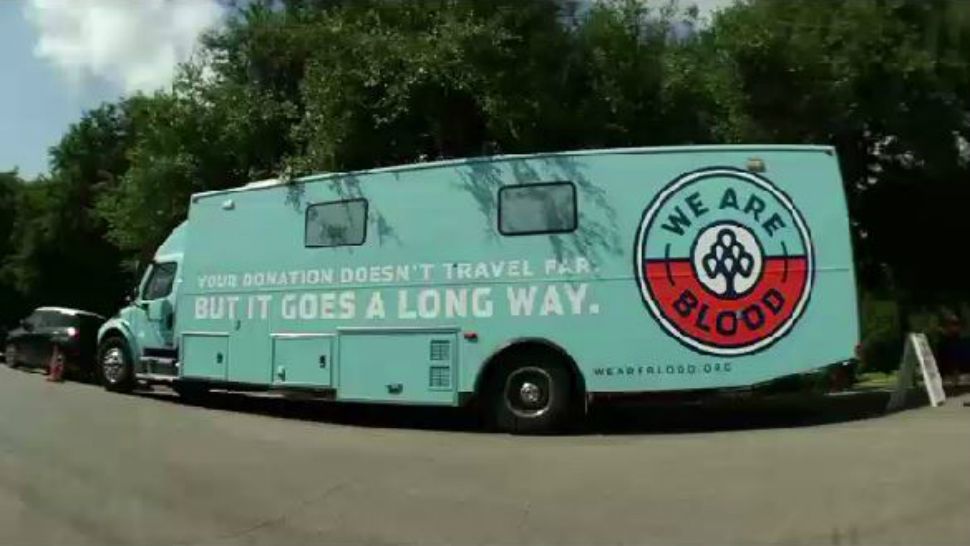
113 333
504 356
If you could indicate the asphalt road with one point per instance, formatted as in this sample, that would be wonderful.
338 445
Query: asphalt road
82 466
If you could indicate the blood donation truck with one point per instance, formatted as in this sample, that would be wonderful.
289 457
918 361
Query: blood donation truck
530 284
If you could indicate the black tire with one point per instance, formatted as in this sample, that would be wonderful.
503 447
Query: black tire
115 375
10 355
531 393
88 372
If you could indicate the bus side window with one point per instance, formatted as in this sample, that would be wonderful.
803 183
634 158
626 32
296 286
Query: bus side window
532 209
338 223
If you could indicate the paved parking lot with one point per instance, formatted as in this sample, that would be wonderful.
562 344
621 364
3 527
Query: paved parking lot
82 466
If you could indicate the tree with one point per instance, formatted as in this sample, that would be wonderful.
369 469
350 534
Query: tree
11 304
883 81
59 254
728 259
300 86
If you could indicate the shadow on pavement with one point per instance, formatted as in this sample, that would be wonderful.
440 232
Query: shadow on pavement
727 414
343 413
717 414
69 376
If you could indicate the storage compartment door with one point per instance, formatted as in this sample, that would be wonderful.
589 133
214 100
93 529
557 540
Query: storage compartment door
205 356
408 366
302 360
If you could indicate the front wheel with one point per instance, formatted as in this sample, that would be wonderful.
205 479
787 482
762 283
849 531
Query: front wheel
532 395
115 366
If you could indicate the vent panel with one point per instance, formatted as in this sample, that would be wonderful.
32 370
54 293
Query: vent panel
440 350
440 377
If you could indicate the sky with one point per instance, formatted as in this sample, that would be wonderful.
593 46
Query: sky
62 57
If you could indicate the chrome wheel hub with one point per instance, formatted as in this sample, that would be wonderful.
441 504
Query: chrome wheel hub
113 365
528 392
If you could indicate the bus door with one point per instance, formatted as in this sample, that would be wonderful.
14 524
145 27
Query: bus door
152 318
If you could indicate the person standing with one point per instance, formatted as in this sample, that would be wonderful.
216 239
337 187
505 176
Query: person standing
951 347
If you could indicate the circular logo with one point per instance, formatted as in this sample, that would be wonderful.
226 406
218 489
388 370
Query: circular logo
724 261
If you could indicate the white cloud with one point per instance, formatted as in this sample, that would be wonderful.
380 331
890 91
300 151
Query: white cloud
706 8
135 44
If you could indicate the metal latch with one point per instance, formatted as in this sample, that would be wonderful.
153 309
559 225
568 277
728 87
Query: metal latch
395 388
323 361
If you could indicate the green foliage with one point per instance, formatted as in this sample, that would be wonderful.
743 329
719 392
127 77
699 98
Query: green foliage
308 85
58 252
10 185
11 305
882 334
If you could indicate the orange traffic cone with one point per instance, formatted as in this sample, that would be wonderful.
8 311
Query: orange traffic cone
56 366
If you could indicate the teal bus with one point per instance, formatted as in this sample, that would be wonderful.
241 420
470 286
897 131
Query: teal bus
532 285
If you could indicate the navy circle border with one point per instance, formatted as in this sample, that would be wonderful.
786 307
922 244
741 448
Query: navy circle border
638 267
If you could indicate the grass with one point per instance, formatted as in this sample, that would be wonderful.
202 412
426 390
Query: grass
875 381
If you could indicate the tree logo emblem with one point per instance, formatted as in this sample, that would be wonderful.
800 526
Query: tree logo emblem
724 261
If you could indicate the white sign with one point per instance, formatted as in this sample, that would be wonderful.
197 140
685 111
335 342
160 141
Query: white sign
917 350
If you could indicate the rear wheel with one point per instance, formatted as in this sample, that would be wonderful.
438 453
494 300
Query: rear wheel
532 393
10 355
115 366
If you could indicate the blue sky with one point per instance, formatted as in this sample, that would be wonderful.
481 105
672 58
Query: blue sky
62 57
36 102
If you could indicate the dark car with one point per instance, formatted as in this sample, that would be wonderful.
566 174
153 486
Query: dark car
75 331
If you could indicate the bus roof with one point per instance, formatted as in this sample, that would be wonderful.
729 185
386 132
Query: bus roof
272 182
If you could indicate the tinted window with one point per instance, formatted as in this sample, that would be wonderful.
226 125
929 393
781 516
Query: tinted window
52 319
34 319
339 223
160 282
537 208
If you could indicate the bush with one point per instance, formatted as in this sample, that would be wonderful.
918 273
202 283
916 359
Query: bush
882 335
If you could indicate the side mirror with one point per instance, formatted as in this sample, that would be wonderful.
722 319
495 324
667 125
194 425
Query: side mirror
137 272
26 325
133 295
